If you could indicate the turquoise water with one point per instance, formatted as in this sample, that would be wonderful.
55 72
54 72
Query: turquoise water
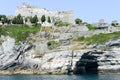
60 77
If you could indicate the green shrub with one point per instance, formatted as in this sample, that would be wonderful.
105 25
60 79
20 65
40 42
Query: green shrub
78 21
99 39
80 38
51 44
18 19
91 27
19 32
60 23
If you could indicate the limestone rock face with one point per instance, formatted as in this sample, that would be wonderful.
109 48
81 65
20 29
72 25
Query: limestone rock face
104 62
109 62
6 51
65 61
23 57
114 43
11 54
57 60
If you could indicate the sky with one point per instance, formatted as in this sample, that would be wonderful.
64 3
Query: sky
87 10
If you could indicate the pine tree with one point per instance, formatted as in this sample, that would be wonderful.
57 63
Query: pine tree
34 19
18 19
49 20
43 18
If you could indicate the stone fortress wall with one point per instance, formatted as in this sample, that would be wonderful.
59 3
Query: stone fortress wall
27 10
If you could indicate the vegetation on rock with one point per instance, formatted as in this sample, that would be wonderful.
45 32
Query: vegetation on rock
49 20
4 19
34 19
99 39
78 21
19 32
17 20
61 23
91 27
43 18
51 44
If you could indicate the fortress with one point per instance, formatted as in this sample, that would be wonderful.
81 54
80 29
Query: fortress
27 10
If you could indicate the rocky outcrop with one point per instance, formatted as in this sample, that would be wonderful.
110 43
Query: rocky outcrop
12 55
99 62
23 58
109 62
114 43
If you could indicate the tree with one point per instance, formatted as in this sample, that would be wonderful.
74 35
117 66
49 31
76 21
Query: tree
14 20
78 21
34 19
49 20
43 18
4 19
114 23
18 19
0 17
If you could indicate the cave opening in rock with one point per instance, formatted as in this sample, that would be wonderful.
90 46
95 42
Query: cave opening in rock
91 67
87 63
86 67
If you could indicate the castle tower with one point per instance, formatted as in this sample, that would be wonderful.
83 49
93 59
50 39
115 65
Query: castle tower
67 16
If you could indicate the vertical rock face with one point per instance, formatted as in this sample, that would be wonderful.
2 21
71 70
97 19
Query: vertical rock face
110 62
99 62
57 61
63 61
88 62
7 51
11 54
78 61
8 45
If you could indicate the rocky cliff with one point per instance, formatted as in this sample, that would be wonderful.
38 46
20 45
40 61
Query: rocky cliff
22 57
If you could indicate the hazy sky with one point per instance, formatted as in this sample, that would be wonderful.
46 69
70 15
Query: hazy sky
87 10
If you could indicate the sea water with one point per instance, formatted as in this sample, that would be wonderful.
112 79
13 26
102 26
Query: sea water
60 77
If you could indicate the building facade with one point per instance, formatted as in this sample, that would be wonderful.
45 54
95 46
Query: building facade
27 10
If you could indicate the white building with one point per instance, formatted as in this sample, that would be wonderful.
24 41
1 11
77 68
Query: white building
27 10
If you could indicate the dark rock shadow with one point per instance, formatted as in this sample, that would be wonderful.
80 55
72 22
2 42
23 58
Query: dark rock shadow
88 63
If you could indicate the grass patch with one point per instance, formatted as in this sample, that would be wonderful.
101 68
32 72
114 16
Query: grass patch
91 27
47 29
80 38
19 32
99 39
61 23
52 44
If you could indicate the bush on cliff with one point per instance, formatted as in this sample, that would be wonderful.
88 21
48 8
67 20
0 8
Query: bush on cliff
61 23
19 32
78 21
91 27
99 39
51 44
